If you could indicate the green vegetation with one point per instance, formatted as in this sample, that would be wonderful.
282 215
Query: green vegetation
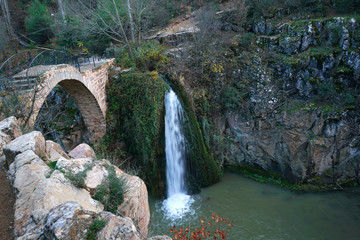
111 192
78 179
276 179
97 225
53 167
233 97
38 22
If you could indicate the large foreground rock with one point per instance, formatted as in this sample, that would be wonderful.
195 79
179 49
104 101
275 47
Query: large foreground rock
49 206
67 221
37 194
135 205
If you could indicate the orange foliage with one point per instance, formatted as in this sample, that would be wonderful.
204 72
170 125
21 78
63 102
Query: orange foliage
208 229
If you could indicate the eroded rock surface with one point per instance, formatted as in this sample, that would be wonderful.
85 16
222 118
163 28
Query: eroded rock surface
49 206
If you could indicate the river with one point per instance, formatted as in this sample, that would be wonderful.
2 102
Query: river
263 211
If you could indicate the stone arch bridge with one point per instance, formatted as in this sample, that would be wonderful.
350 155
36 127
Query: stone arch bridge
86 85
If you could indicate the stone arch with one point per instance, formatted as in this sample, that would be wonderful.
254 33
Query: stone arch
87 88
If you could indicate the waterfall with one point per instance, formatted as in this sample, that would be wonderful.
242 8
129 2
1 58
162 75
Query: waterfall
178 202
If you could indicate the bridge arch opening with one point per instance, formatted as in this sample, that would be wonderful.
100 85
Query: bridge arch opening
85 100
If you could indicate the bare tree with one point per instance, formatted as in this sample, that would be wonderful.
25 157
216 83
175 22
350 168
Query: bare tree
119 20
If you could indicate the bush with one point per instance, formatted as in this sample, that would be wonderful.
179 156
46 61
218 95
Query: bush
232 98
38 22
111 192
147 57
335 34
97 225
78 179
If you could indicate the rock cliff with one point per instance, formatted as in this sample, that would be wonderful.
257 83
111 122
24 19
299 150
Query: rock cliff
51 202
283 97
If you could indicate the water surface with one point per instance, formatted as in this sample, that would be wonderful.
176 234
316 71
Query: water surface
263 211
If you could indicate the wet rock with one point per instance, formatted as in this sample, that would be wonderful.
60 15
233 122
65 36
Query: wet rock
82 151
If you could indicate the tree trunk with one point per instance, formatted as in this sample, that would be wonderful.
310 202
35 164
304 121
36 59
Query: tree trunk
7 17
61 9
132 28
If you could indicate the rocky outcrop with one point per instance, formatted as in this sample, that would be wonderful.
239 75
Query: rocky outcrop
9 130
48 204
300 118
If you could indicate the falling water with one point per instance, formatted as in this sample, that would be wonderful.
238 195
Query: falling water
178 202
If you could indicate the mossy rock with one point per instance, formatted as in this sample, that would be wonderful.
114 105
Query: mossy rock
136 116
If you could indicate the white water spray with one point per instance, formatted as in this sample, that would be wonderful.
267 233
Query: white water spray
178 202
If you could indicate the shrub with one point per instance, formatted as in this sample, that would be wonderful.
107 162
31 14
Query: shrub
97 225
232 98
78 179
335 34
147 57
111 192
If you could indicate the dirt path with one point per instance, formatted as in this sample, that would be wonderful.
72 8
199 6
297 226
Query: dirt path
7 200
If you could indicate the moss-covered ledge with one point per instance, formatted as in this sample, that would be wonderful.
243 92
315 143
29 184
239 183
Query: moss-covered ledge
278 180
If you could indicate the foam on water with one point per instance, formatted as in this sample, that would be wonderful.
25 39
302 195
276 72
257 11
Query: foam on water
177 206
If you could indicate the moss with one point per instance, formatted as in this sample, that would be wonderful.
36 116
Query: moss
278 180
203 167
136 116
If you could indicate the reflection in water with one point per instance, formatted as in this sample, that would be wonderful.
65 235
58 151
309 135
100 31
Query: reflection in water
262 211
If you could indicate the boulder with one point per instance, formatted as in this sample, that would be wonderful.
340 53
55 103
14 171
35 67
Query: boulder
95 176
118 228
54 151
82 151
67 221
9 130
135 205
32 141
10 127
37 194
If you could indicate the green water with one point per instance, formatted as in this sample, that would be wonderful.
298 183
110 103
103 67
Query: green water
262 211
